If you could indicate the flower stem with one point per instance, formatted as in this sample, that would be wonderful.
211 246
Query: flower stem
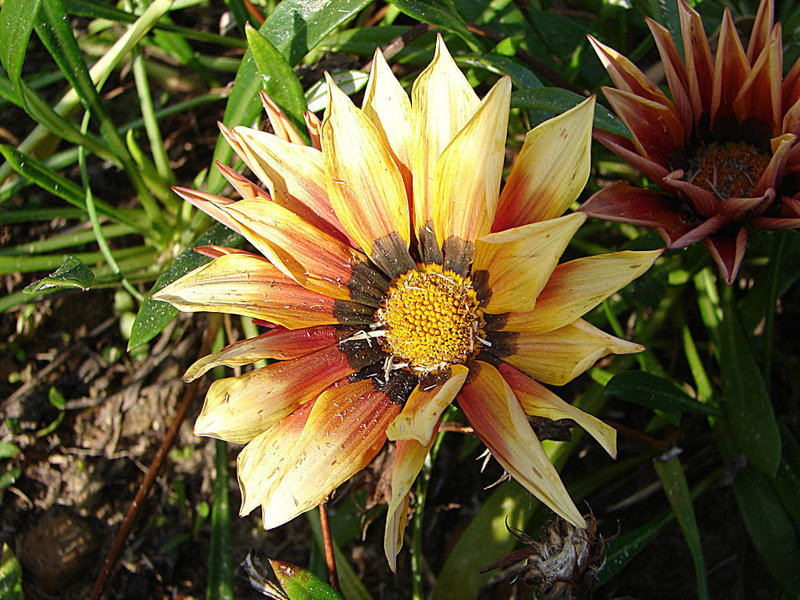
327 543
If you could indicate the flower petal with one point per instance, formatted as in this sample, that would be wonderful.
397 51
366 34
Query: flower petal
211 204
577 286
386 104
276 448
421 412
513 266
761 95
409 457
537 401
675 72
759 36
699 66
727 250
467 179
559 356
443 101
730 69
239 408
344 432
281 125
625 149
704 201
314 259
243 284
550 171
278 343
781 148
498 420
365 185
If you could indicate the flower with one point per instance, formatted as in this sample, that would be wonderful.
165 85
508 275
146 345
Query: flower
721 148
377 332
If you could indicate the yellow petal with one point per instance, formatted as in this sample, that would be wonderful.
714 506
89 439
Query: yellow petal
443 101
386 104
365 186
577 286
550 171
537 401
345 430
498 420
423 408
467 179
518 262
281 124
557 357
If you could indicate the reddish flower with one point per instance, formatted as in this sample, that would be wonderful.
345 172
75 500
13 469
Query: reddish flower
722 149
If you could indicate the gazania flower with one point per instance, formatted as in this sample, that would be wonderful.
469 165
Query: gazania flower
398 279
720 147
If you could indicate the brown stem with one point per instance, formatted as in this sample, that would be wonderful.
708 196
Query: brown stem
455 427
155 467
399 43
651 443
327 542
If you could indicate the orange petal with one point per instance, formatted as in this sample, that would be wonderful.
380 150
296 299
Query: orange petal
421 412
278 343
244 284
243 186
281 125
771 178
409 457
699 66
761 95
443 101
211 204
499 421
345 430
365 186
314 126
467 180
239 408
536 400
550 171
759 36
675 72
517 263
577 286
559 356
730 70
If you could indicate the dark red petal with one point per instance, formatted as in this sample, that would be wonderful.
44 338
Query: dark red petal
727 251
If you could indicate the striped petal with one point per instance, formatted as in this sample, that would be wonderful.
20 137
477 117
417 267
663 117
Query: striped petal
761 95
699 66
239 408
421 412
280 343
730 69
467 180
211 204
386 104
409 457
344 432
365 186
496 416
559 356
759 37
537 401
550 171
443 101
243 284
514 265
625 149
727 250
577 286
675 72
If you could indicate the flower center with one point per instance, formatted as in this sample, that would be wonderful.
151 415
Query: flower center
729 170
431 320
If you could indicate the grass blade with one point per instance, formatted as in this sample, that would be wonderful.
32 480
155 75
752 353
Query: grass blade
16 23
220 559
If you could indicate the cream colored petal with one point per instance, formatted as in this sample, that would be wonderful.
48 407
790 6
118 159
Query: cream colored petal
496 416
578 286
365 186
262 462
443 101
467 179
243 284
386 104
409 457
314 126
557 357
239 408
537 401
345 430
518 262
423 408
550 171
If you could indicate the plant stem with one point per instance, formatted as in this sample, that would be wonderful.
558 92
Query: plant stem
327 544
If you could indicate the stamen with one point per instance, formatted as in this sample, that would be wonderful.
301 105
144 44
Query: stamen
729 170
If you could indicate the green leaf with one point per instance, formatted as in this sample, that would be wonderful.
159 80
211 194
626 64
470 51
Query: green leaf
439 13
220 558
293 28
655 392
153 316
521 76
71 274
744 397
558 100
10 575
301 584
279 80
623 548
673 480
16 23
8 449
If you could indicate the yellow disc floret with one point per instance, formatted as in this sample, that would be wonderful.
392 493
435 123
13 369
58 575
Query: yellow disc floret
431 320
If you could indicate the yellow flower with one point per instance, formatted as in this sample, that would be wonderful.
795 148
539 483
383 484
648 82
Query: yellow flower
398 279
